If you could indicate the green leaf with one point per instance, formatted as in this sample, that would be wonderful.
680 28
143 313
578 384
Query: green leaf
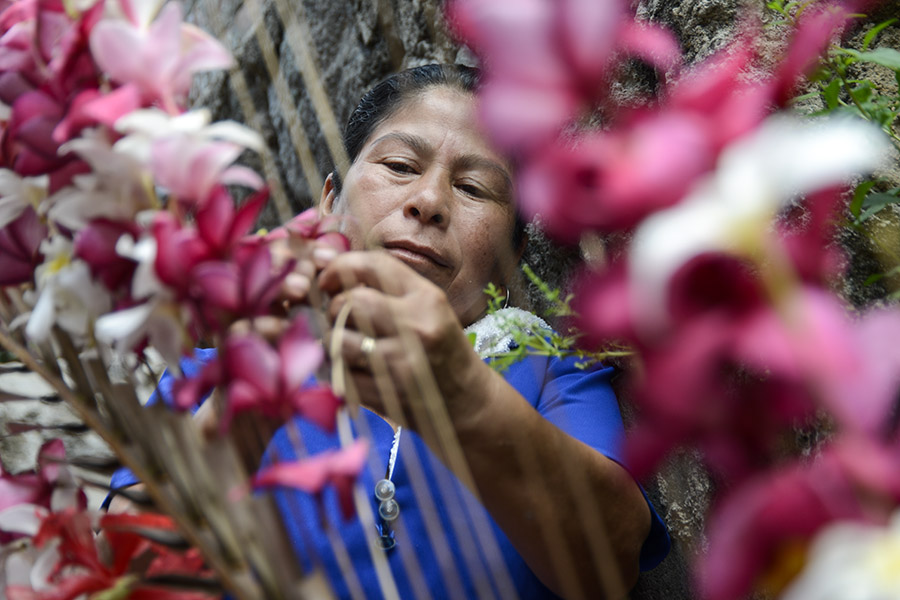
862 93
874 203
872 279
886 57
830 93
880 200
859 196
870 35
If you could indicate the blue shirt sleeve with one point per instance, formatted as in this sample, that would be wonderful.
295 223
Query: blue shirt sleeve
582 403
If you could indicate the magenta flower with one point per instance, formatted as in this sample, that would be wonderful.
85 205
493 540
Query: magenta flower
733 374
311 475
19 245
178 251
275 383
245 287
220 226
96 245
44 63
225 276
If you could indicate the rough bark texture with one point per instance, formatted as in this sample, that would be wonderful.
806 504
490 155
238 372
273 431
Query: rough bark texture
356 43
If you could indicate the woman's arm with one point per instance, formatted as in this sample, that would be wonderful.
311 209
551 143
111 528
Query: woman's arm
559 501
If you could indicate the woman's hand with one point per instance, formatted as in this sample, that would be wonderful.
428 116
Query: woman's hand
417 344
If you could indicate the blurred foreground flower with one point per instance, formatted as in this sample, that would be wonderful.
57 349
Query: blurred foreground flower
760 532
732 209
851 561
549 60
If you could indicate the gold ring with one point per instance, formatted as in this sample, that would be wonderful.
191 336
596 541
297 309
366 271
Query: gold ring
367 346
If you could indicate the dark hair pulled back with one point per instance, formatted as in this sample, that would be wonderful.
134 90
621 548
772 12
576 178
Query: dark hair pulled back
383 100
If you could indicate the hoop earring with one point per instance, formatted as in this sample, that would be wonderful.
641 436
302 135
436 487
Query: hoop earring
506 302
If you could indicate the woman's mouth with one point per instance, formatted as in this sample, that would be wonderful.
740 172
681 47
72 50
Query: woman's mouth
416 255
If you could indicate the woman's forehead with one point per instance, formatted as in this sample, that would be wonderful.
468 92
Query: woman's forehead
433 115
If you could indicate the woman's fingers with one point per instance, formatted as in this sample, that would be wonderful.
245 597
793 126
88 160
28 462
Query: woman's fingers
373 269
382 371
371 311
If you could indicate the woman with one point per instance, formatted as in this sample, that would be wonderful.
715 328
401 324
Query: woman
427 206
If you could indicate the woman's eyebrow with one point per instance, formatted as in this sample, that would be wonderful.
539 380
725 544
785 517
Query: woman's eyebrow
415 142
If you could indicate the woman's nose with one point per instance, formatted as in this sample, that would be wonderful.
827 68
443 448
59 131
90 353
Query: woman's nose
429 201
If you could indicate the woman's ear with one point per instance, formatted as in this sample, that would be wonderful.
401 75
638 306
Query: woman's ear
328 197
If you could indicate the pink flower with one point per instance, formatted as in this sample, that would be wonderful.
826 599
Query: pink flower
156 59
611 180
187 155
309 225
311 475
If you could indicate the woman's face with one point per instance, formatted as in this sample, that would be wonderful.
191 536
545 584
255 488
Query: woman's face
428 188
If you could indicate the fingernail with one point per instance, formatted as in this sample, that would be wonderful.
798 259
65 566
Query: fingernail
324 255
296 284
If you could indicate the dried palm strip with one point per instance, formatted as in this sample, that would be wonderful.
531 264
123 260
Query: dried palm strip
297 36
172 440
197 476
95 421
378 466
360 497
252 118
384 10
285 99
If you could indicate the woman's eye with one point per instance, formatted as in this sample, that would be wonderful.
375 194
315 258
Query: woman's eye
471 190
400 167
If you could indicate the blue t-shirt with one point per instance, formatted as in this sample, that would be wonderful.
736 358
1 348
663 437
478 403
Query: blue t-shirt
471 552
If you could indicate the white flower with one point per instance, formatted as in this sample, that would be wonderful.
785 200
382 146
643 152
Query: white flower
66 293
159 319
733 208
851 561
17 193
116 188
